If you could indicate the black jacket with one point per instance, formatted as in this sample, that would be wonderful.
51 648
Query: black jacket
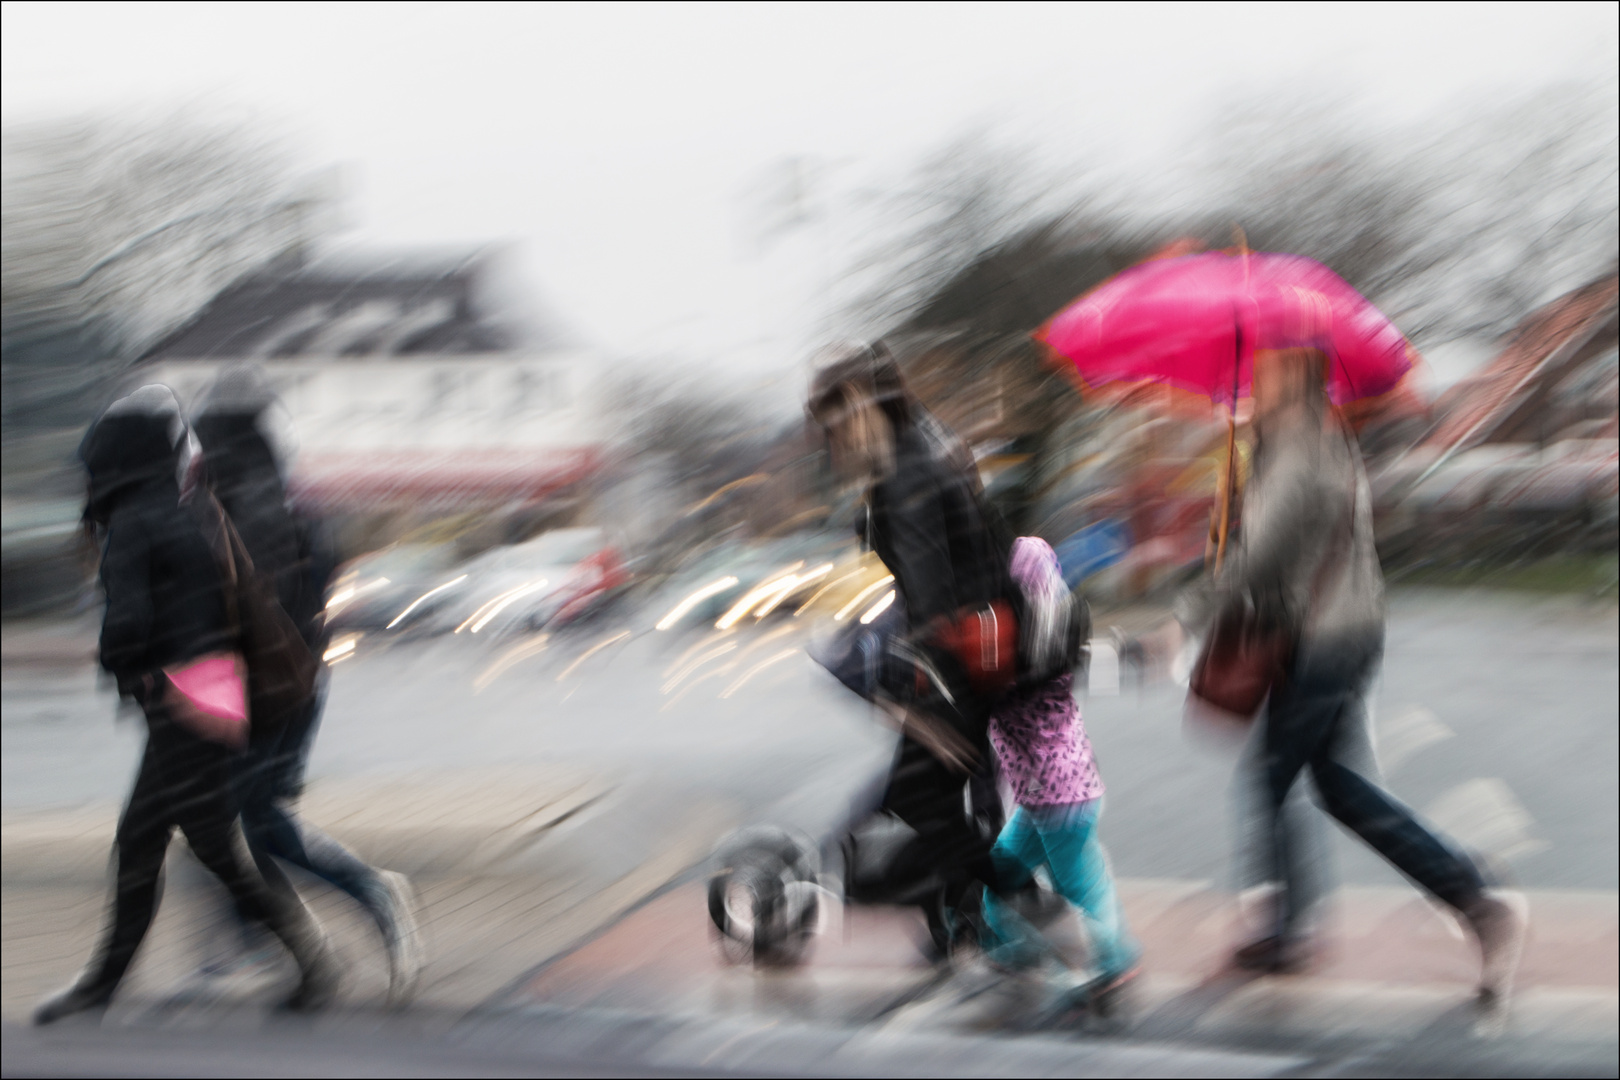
242 472
929 527
164 590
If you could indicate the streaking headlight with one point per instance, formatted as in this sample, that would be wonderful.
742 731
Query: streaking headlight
431 592
679 611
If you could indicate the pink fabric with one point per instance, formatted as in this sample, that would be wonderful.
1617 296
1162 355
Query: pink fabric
1039 736
1186 322
214 685
1041 743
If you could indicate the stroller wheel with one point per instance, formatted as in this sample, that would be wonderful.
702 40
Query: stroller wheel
762 912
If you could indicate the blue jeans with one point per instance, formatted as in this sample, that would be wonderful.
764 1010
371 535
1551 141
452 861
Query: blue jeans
1315 719
271 772
1064 840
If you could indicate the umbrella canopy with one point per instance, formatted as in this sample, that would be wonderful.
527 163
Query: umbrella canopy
1194 323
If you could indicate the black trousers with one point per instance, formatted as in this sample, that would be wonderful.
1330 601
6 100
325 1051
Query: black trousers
184 782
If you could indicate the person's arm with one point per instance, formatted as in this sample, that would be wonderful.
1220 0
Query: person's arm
126 628
937 737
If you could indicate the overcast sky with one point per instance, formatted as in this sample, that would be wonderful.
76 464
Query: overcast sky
618 144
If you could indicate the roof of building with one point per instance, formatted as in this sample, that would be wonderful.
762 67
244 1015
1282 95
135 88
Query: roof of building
1542 349
353 304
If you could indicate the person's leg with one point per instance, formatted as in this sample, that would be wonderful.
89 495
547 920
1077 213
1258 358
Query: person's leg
1081 875
1011 940
1300 866
208 817
275 831
141 842
1385 824
1429 860
1298 718
930 798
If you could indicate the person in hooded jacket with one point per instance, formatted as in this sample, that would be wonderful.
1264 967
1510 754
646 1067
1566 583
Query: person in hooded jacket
240 467
166 607
923 517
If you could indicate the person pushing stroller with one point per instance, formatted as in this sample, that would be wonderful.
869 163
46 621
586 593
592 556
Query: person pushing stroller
922 515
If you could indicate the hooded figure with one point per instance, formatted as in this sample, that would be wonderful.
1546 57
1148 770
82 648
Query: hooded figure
241 468
165 598
166 606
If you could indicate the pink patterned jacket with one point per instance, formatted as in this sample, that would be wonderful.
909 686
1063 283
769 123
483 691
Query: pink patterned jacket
1039 736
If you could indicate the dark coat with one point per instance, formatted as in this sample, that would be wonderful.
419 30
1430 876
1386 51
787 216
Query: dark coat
241 470
929 527
164 590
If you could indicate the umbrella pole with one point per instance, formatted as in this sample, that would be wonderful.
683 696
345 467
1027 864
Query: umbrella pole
1231 428
1226 489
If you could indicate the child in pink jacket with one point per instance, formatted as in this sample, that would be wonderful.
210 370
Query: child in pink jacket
1041 744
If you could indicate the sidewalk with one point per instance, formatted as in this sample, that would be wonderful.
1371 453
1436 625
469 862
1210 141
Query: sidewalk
1398 976
511 867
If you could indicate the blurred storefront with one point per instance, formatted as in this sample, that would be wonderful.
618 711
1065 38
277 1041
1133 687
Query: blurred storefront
411 397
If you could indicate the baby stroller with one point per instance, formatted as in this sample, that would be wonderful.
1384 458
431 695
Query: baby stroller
769 886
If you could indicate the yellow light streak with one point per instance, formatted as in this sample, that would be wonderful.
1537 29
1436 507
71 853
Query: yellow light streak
719 650
501 603
862 595
800 581
677 612
771 588
342 596
340 649
588 653
431 592
831 584
509 658
878 608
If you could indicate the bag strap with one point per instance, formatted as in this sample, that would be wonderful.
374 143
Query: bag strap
229 540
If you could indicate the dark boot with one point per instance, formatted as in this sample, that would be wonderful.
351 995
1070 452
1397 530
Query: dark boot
82 996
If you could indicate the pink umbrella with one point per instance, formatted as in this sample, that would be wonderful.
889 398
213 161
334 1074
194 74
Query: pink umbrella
1193 323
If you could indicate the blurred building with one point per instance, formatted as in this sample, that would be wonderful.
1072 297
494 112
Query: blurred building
1523 458
416 388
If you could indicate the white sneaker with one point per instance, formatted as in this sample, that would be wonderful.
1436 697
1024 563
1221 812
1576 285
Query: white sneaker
1499 925
405 952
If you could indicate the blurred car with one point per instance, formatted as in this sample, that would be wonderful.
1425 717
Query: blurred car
391 588
555 579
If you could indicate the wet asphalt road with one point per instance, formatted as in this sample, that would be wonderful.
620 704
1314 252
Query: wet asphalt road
1494 717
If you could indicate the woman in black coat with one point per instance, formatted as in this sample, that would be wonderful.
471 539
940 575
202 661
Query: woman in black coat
924 518
166 606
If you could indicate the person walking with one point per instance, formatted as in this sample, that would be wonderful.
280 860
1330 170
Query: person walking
1306 565
1047 763
166 608
240 467
922 516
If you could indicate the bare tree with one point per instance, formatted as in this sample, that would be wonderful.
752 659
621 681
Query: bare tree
117 232
1455 230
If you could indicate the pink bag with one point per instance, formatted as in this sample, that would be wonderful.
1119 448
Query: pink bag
209 696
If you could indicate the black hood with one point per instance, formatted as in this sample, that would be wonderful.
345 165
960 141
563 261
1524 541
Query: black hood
235 451
127 453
